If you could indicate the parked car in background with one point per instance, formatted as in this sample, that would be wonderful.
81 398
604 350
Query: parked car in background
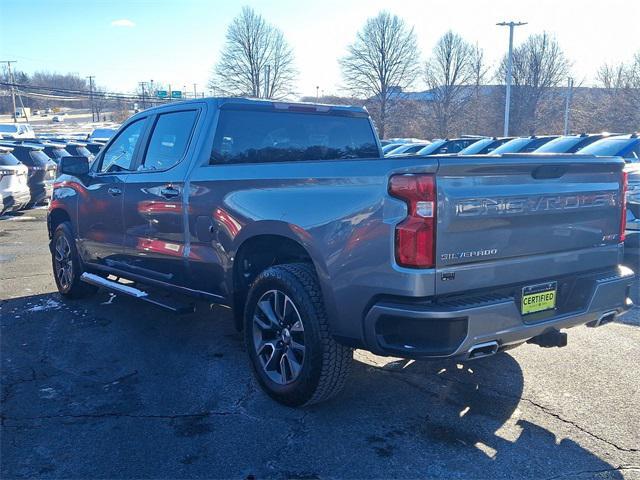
390 146
408 148
569 143
42 170
632 229
93 147
453 145
101 134
523 144
16 130
78 149
625 146
484 146
57 118
14 186
55 151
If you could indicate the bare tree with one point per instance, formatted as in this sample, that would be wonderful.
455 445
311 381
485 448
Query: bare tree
381 62
619 105
539 65
447 74
256 60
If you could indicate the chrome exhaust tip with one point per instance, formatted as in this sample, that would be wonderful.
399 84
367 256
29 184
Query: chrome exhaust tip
483 350
606 317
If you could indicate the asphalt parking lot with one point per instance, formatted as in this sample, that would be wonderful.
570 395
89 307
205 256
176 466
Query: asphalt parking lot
111 388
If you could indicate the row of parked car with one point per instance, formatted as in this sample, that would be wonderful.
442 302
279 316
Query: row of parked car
605 144
626 146
28 164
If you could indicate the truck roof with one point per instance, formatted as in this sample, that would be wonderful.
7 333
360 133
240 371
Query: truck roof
222 102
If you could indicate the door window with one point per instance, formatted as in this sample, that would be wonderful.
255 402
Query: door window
119 155
169 140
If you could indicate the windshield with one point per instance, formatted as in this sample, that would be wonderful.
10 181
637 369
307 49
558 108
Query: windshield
512 146
477 147
59 153
39 156
8 128
559 145
429 149
607 147
7 159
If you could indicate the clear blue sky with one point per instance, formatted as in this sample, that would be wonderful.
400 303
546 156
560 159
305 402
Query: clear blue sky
177 42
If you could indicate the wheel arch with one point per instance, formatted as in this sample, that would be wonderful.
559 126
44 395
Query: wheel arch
274 244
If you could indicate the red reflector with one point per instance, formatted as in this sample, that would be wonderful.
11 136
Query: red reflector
623 204
415 235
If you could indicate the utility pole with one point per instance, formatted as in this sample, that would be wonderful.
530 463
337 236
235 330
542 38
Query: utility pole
11 81
142 85
91 77
195 95
317 93
507 103
567 105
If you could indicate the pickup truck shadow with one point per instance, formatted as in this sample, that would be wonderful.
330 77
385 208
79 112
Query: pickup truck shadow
89 386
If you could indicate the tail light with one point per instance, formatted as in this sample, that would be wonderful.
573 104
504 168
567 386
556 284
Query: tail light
623 203
415 236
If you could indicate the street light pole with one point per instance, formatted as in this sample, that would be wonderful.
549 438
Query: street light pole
567 105
507 103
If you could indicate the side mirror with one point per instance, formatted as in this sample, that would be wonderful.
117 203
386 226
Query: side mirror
76 166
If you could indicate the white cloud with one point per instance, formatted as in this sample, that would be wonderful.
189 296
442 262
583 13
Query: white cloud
123 22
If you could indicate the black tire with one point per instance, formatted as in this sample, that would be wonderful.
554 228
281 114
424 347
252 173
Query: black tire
68 283
325 364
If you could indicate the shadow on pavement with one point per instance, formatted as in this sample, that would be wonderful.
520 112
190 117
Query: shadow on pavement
108 387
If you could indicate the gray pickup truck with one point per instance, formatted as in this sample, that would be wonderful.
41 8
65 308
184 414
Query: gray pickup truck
289 215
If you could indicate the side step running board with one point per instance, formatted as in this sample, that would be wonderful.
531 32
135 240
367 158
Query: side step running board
117 287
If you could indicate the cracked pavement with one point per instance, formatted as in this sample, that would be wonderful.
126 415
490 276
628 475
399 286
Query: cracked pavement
92 389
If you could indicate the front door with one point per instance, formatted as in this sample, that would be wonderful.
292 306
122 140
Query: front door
100 199
154 244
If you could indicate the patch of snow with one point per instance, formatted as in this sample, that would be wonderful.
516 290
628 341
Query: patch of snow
49 304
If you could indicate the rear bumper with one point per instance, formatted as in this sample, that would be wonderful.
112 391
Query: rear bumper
16 200
451 328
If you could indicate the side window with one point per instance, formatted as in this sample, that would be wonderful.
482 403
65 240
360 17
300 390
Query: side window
255 136
169 140
119 155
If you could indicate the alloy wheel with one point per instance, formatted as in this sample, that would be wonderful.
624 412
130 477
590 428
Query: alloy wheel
278 337
63 262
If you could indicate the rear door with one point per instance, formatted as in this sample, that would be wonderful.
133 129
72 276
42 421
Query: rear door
154 226
502 220
100 222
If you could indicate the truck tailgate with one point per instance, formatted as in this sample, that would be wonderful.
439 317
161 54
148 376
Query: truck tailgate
530 212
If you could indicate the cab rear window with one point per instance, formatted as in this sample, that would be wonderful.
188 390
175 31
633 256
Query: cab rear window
268 136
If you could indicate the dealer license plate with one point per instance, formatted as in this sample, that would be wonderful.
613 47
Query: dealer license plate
537 298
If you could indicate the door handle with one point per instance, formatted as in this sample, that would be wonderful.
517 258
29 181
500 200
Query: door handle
114 191
169 192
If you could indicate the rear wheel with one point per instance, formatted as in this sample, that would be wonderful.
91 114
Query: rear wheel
294 357
67 267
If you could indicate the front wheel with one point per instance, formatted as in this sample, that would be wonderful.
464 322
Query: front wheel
294 357
67 267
